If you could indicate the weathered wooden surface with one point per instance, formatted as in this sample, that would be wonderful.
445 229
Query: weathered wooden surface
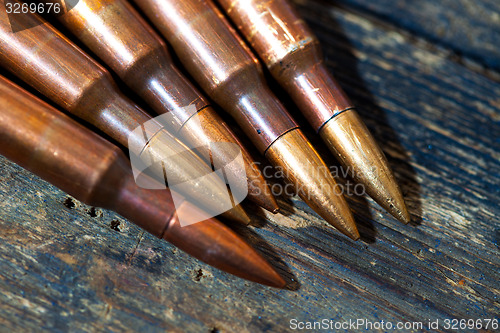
65 266
467 28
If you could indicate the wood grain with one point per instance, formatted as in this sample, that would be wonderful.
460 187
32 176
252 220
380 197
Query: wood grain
78 269
468 28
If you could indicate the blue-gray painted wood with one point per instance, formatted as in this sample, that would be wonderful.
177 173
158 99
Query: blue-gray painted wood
469 28
66 267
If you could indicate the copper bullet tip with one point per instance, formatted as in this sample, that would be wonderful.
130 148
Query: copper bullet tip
217 245
398 209
237 214
311 179
94 171
347 136
211 128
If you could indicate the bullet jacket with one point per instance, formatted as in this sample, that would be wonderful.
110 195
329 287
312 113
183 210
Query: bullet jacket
219 60
119 36
71 157
292 54
48 61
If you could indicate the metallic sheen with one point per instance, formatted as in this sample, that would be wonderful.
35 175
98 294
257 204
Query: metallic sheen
354 146
49 62
116 33
229 72
321 192
79 162
292 53
222 64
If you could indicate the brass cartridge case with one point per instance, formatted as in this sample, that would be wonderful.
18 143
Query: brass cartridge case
48 61
119 36
56 148
223 66
231 75
292 53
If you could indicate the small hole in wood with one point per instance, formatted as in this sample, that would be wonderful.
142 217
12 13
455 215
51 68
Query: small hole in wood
69 203
114 225
199 275
92 212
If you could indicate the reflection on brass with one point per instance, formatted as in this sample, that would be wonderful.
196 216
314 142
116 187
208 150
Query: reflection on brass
292 53
312 181
48 61
79 162
230 74
354 146
115 32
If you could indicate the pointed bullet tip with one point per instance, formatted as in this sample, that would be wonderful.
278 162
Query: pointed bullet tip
404 221
280 283
237 214
271 278
215 244
355 237
269 203
341 218
396 206
272 206
311 179
400 212
348 228
350 140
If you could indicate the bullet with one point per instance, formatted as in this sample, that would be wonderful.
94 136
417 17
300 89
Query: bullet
292 54
50 63
51 145
230 74
118 35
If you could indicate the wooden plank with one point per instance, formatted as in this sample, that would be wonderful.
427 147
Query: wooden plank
469 28
68 269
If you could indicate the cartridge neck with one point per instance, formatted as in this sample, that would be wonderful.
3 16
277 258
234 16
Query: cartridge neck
118 35
308 81
152 210
105 107
161 84
260 114
113 30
